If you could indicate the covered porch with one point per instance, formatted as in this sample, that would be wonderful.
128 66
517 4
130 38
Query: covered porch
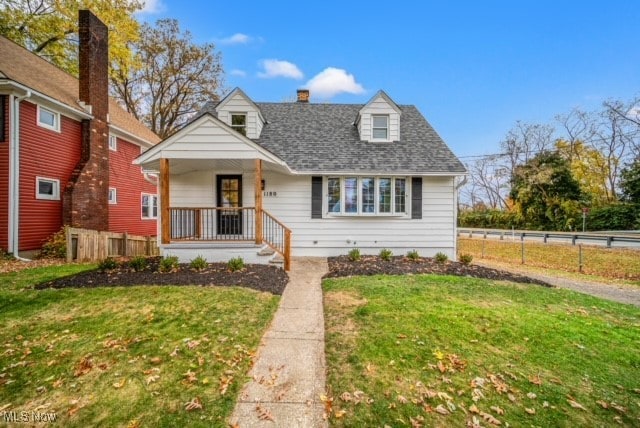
215 206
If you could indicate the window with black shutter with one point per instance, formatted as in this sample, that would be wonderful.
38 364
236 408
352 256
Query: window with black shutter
416 197
316 197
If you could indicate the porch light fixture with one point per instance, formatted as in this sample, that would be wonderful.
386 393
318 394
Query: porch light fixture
262 184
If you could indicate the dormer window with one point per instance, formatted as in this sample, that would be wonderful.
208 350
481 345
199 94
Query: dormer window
239 122
380 128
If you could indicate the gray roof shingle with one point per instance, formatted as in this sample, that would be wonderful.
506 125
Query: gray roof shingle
322 138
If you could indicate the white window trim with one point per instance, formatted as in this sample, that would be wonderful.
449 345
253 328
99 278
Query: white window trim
151 196
114 200
113 143
246 121
56 117
388 119
359 213
56 189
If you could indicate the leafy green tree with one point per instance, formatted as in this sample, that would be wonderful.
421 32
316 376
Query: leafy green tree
175 79
630 183
545 193
590 168
49 28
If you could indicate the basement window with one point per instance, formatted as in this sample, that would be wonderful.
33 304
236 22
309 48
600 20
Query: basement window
48 119
47 188
113 196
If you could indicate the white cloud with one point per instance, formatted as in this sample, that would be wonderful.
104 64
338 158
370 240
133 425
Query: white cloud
236 39
153 6
237 72
332 81
277 68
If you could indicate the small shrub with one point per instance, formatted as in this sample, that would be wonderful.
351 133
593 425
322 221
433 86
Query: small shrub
235 264
168 264
138 263
354 255
441 257
385 254
108 264
466 259
199 263
413 255
55 247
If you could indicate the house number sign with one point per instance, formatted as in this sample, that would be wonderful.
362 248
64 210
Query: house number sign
270 194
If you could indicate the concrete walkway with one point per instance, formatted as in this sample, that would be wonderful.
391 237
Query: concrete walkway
288 376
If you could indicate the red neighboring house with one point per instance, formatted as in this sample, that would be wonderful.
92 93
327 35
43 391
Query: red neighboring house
66 148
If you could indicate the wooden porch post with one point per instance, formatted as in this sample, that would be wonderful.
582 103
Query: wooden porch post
257 190
165 224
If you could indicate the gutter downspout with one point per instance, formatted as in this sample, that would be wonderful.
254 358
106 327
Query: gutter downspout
455 211
14 174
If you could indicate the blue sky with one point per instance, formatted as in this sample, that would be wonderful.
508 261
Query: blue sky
473 68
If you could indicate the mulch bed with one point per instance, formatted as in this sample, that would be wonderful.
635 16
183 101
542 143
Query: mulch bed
258 277
399 265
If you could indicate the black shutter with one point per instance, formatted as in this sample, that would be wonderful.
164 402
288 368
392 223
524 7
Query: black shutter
3 116
416 197
316 197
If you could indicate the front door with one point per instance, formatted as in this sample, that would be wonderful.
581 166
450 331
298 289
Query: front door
229 200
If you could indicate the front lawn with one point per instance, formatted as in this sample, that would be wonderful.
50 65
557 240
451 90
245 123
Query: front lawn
135 356
428 350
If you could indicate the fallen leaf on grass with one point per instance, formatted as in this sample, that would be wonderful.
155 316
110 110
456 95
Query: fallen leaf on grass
498 410
194 404
193 344
155 360
84 366
442 410
417 422
264 414
346 397
530 411
134 424
532 395
190 377
474 409
57 384
151 379
618 407
603 404
118 385
225 381
535 379
174 353
340 413
575 404
490 418
402 399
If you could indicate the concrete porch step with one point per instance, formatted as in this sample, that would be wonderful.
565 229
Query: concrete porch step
277 260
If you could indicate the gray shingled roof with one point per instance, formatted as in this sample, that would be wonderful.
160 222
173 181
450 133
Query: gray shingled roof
321 138
316 138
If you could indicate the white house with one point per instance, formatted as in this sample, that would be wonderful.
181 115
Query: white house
306 180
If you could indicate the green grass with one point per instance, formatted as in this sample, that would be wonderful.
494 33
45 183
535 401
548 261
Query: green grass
413 345
617 263
126 356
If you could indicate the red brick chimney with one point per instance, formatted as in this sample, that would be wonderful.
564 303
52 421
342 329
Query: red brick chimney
303 95
85 200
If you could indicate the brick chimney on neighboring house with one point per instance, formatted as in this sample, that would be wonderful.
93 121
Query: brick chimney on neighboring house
85 199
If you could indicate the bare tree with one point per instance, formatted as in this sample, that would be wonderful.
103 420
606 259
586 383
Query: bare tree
176 79
524 141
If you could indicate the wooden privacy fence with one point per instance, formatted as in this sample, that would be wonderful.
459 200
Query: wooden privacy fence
91 245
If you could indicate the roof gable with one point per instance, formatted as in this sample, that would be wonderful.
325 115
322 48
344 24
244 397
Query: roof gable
237 92
207 138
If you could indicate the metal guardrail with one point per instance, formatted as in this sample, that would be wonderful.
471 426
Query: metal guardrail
609 240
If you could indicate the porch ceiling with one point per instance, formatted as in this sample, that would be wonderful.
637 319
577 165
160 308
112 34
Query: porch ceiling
183 166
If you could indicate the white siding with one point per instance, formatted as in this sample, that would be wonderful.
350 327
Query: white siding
288 199
239 104
211 141
335 236
379 106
